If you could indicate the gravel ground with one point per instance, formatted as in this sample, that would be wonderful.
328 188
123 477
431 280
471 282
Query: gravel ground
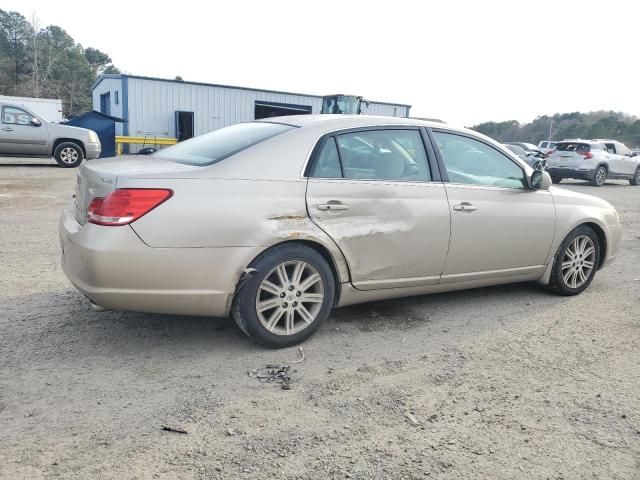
498 383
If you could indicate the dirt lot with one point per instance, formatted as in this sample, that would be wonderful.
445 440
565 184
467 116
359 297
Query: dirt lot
500 383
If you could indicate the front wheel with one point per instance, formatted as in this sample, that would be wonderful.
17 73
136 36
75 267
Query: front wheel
575 263
289 294
635 181
599 177
68 155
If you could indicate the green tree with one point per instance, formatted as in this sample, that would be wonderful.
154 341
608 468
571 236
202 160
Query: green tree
601 124
48 63
15 36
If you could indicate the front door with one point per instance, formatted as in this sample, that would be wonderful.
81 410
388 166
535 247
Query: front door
499 227
18 136
372 192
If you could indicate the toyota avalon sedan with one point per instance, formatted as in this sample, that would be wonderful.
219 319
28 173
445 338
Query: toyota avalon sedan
277 222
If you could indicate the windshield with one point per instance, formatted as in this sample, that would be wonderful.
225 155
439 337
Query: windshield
344 104
220 144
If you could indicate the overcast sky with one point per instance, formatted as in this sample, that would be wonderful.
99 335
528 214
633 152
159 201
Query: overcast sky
462 61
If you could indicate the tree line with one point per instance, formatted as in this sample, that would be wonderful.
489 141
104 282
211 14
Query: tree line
48 63
601 124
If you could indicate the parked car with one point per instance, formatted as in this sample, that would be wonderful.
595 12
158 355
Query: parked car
278 221
594 161
528 157
529 147
24 133
546 147
635 153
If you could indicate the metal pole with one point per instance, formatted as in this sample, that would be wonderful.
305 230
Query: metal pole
550 129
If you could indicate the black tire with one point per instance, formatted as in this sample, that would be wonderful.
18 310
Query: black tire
244 309
635 180
556 179
557 282
68 154
599 176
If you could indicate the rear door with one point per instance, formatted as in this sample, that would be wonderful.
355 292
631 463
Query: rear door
17 134
374 193
499 227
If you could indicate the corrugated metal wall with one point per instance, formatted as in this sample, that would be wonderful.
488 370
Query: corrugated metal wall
153 103
111 85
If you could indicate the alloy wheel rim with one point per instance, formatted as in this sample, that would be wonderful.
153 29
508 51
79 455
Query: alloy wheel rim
68 155
601 176
578 261
290 297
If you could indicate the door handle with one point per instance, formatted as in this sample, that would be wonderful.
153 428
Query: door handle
7 129
332 206
465 207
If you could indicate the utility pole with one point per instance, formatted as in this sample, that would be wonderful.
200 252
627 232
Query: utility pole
550 130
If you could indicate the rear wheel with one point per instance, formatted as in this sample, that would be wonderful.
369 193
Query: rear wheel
68 154
576 262
599 177
635 181
556 179
287 298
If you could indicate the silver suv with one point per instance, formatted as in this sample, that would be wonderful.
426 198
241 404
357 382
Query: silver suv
23 132
593 160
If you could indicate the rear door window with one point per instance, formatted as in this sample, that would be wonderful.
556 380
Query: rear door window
383 155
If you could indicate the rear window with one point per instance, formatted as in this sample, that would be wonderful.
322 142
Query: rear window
573 147
220 144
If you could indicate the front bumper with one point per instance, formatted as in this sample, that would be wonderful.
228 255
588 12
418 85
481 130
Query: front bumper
92 150
569 172
116 270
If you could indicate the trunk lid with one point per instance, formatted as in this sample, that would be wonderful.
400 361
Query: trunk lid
98 178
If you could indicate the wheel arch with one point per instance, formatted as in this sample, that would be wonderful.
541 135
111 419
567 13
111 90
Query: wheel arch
602 240
58 141
336 269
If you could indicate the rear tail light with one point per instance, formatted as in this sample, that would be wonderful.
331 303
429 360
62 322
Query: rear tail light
125 205
587 155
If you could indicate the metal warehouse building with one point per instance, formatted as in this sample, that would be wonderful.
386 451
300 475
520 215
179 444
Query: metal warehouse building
179 109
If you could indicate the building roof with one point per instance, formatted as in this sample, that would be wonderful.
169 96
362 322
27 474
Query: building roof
156 79
100 114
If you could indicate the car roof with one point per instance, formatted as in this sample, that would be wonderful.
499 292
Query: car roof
348 121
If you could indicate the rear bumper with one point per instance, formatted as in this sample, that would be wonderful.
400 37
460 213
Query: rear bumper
116 270
92 150
577 173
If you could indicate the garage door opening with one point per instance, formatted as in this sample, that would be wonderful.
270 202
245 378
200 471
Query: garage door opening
273 109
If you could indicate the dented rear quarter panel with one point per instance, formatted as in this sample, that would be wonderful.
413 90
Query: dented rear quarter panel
209 212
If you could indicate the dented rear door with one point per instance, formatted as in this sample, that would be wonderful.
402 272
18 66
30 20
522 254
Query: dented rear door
392 232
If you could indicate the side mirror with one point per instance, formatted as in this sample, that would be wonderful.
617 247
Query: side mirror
35 122
540 180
